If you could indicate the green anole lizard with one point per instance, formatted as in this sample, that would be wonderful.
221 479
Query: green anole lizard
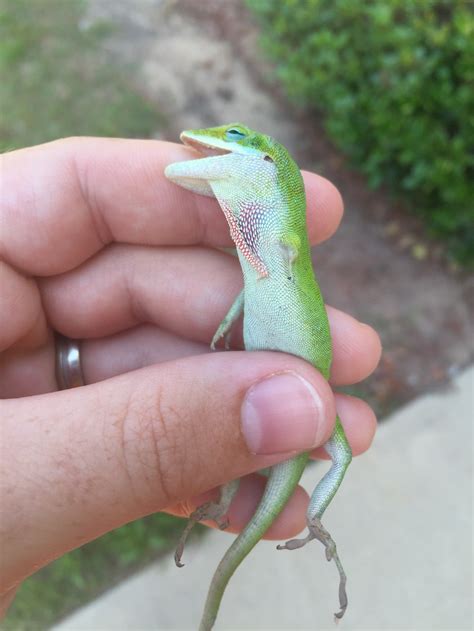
261 192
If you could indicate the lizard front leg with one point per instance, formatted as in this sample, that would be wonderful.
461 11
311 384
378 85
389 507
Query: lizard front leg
224 328
215 511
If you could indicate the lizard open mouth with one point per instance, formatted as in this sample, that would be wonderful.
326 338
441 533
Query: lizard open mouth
204 149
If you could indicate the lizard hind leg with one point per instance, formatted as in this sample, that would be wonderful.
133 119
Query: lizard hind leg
213 511
339 450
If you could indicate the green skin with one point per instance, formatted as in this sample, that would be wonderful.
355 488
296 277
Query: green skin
261 191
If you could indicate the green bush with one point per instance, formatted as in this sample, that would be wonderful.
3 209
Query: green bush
395 82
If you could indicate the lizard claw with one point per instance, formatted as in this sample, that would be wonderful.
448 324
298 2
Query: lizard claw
217 337
294 544
182 541
227 338
317 531
223 524
209 510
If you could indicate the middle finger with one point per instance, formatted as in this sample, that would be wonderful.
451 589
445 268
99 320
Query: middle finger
186 291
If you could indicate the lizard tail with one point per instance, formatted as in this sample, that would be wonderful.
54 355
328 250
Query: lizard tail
281 483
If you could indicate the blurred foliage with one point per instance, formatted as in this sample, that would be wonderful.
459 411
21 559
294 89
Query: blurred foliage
394 79
81 574
56 79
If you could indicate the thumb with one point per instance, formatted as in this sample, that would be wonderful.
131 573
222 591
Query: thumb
80 462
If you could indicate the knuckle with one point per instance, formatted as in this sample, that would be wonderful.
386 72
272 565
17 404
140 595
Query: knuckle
152 450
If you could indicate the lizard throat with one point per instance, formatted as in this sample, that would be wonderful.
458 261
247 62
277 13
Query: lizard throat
244 233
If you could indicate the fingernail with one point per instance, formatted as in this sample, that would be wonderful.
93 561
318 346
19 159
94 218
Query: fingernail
283 413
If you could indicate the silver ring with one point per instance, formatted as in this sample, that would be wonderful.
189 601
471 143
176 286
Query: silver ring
68 362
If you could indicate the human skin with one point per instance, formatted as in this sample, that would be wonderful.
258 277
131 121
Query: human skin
97 244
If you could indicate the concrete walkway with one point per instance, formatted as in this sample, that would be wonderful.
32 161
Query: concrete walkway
403 522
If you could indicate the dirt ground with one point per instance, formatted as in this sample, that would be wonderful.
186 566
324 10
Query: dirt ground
200 62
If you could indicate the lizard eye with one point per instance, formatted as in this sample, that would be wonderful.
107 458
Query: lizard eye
234 134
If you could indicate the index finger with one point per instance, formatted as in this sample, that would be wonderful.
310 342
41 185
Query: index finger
63 201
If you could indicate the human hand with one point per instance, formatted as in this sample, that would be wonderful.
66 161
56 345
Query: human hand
98 245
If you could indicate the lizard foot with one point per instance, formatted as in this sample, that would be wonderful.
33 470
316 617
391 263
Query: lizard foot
218 336
317 531
209 511
320 533
294 544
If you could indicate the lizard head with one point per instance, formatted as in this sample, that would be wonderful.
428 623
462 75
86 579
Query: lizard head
233 138
256 182
239 156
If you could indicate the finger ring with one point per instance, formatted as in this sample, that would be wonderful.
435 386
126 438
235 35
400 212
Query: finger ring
68 362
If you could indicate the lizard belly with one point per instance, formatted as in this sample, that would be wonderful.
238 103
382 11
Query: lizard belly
288 326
